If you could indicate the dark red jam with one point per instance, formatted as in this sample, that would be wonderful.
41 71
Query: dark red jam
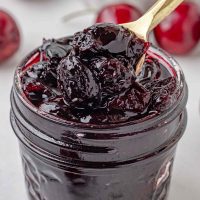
90 78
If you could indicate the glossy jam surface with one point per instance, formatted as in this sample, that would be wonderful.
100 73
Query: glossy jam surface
90 78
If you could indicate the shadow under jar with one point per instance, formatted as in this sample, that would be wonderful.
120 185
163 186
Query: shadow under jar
73 161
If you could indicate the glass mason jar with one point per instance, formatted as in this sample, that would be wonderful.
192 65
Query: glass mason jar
73 161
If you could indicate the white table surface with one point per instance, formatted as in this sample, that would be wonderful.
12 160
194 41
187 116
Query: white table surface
42 18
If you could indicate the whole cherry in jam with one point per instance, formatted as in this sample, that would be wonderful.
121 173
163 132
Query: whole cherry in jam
118 13
77 82
179 33
9 36
135 99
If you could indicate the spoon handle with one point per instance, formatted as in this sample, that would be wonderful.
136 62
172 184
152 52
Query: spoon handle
160 10
145 24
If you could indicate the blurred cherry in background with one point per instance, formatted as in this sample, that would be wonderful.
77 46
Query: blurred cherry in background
9 36
179 33
118 13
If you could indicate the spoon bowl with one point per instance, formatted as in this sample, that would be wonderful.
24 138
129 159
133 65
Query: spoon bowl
159 11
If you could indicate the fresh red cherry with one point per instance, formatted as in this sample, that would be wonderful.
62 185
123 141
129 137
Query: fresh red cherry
118 13
9 36
179 33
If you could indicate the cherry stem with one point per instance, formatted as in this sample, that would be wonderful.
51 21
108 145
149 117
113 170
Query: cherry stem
78 13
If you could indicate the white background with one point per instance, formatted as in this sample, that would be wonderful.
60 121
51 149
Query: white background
42 18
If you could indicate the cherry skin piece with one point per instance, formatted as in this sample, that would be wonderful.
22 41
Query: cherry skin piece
118 13
179 33
9 36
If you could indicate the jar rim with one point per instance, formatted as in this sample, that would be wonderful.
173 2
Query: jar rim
149 122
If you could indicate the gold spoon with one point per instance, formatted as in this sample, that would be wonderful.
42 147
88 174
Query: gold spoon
145 24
